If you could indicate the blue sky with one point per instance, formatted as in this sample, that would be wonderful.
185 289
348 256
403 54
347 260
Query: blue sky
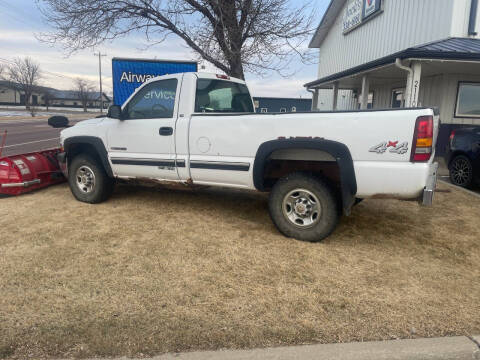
20 21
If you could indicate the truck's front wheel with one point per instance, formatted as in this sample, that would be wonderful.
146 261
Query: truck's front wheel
88 180
303 207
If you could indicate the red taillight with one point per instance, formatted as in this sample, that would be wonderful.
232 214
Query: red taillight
425 127
452 134
220 76
422 144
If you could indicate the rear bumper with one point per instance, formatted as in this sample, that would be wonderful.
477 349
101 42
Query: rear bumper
392 180
429 191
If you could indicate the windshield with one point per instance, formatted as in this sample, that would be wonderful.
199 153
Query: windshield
222 96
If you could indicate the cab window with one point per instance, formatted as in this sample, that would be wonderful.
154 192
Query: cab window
222 96
153 101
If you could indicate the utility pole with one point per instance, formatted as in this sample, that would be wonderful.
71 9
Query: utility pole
99 54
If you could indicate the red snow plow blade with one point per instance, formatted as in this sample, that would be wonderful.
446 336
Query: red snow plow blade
27 172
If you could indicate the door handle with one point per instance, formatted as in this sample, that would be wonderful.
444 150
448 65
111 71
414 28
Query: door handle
166 131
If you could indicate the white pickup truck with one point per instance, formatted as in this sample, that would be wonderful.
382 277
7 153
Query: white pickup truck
196 128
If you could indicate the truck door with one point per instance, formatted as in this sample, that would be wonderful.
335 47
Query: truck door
142 144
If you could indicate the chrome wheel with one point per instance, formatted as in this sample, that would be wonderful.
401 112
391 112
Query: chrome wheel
461 171
302 208
85 179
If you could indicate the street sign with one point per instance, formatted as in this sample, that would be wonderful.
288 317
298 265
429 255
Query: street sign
129 74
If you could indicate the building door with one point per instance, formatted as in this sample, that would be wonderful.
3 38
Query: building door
398 97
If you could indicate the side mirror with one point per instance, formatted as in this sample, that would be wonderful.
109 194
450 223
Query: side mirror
58 122
115 112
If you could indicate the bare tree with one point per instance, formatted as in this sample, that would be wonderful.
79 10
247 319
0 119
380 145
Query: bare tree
24 75
233 35
47 98
85 91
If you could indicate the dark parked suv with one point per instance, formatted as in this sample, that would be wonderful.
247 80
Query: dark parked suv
463 157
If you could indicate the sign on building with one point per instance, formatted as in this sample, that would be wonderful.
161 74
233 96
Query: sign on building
371 7
129 74
358 12
353 15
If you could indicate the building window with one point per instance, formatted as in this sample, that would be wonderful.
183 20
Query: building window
263 110
468 104
294 109
283 110
398 98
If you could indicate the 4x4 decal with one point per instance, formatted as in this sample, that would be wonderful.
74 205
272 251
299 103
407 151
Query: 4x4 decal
394 146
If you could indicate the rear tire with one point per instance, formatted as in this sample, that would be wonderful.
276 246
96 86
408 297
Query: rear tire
88 180
303 207
461 171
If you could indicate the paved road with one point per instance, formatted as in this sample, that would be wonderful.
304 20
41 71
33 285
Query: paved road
26 134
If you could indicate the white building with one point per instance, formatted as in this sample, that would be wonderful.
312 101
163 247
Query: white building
396 53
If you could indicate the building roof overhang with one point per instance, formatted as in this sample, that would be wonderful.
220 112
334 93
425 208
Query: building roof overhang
462 49
326 23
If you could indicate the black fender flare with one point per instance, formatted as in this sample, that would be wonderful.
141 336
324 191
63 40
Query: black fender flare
97 144
339 151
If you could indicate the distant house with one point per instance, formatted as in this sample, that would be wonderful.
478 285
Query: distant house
69 98
276 104
11 94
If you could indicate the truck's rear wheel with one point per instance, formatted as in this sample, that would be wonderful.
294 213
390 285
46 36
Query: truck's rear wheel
88 180
303 207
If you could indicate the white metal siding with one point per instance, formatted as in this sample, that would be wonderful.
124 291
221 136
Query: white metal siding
403 24
461 19
382 96
435 91
449 99
345 100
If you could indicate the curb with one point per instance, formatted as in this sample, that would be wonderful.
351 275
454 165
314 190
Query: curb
459 188
451 348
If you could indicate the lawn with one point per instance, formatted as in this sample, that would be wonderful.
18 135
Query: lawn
158 270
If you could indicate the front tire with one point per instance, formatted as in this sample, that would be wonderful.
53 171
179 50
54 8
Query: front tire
461 171
303 207
88 180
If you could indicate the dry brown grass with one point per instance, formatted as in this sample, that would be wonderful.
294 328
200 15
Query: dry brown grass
154 271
